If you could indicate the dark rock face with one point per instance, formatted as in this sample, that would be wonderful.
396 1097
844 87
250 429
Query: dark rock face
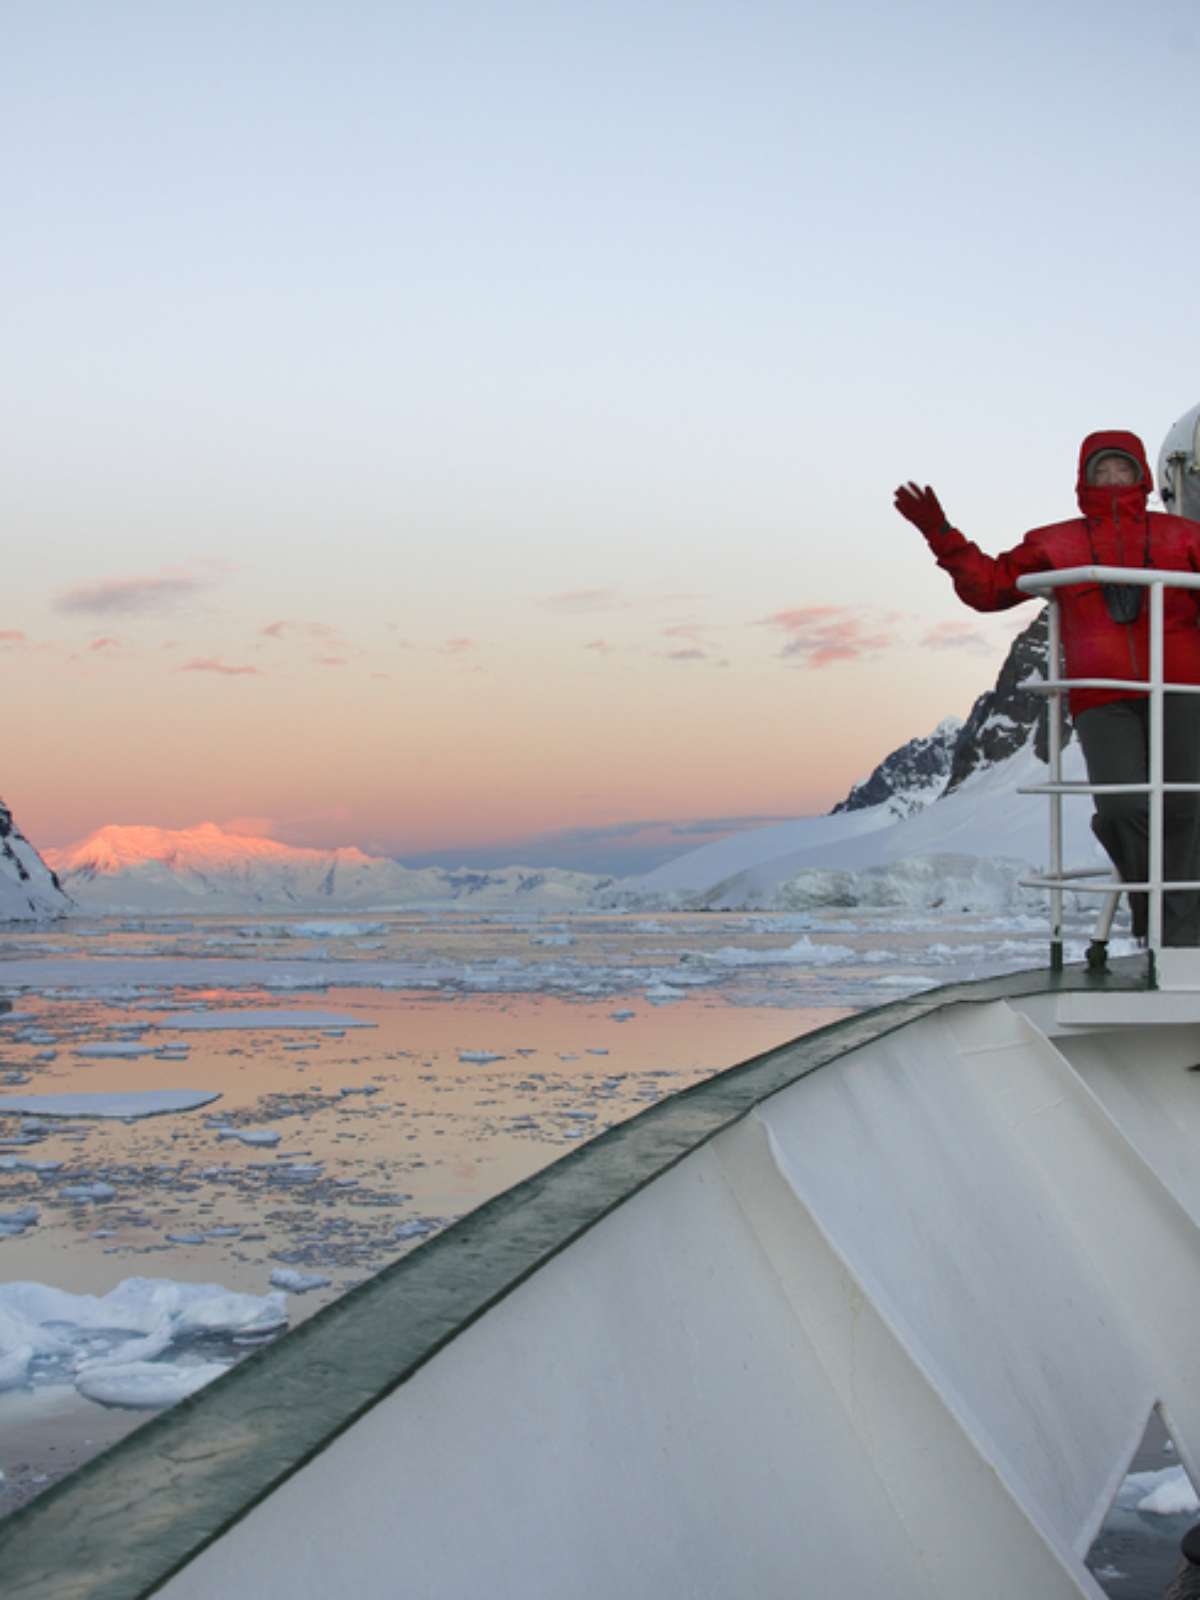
909 778
38 892
1007 716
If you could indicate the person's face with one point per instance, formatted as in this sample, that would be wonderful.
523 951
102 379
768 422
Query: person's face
1114 472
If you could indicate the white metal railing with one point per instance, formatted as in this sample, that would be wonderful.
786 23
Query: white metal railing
1057 879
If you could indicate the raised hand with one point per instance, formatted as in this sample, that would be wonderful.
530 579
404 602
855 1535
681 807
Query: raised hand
922 508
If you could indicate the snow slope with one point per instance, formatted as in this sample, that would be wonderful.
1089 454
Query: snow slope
939 822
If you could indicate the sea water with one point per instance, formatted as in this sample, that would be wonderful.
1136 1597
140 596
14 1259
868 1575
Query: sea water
211 1127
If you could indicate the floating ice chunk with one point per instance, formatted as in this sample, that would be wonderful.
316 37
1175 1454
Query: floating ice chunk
905 980
223 1311
185 1238
416 1229
250 1135
146 1385
622 1016
114 1048
361 1088
479 1056
128 1103
332 930
214 1020
659 993
596 1052
143 1349
298 1282
803 953
551 938
16 1221
1172 1495
87 1191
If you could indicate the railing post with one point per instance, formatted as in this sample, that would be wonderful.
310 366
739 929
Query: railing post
1155 926
1054 755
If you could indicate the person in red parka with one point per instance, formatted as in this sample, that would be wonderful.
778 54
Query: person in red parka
1106 634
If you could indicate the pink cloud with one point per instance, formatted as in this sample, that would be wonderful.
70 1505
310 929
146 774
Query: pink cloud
208 665
457 647
128 596
306 630
13 636
106 642
601 646
821 635
330 661
690 654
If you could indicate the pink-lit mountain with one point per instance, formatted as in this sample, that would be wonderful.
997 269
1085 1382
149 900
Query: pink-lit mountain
131 868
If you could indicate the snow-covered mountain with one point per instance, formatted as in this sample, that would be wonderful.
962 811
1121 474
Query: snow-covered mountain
200 869
28 888
908 779
902 837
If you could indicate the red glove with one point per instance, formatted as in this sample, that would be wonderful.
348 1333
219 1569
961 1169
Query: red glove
922 508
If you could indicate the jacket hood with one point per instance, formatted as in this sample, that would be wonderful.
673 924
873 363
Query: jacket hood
1092 499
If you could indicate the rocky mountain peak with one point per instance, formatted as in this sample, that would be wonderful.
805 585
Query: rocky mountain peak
909 778
28 888
1007 716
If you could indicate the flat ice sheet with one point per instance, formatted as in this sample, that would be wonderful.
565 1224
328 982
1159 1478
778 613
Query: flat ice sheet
127 1103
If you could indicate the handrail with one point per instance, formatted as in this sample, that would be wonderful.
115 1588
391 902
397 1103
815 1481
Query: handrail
1057 878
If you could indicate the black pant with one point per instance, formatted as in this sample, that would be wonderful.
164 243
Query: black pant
1115 740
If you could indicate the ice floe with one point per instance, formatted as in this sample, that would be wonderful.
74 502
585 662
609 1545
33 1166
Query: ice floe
298 1282
116 1103
114 1048
803 953
136 1345
147 1385
220 1020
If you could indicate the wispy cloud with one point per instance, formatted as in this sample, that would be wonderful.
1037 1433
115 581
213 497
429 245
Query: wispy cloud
956 636
818 636
105 642
321 632
208 665
691 653
574 602
457 647
600 646
13 636
128 597
330 661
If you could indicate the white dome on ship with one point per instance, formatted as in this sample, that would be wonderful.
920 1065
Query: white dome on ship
1179 466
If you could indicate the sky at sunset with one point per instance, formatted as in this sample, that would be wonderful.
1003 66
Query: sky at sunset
437 428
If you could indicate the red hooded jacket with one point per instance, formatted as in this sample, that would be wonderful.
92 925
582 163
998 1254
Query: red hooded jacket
1116 530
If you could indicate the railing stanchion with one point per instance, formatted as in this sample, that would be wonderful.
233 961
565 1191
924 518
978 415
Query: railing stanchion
1155 927
1054 753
